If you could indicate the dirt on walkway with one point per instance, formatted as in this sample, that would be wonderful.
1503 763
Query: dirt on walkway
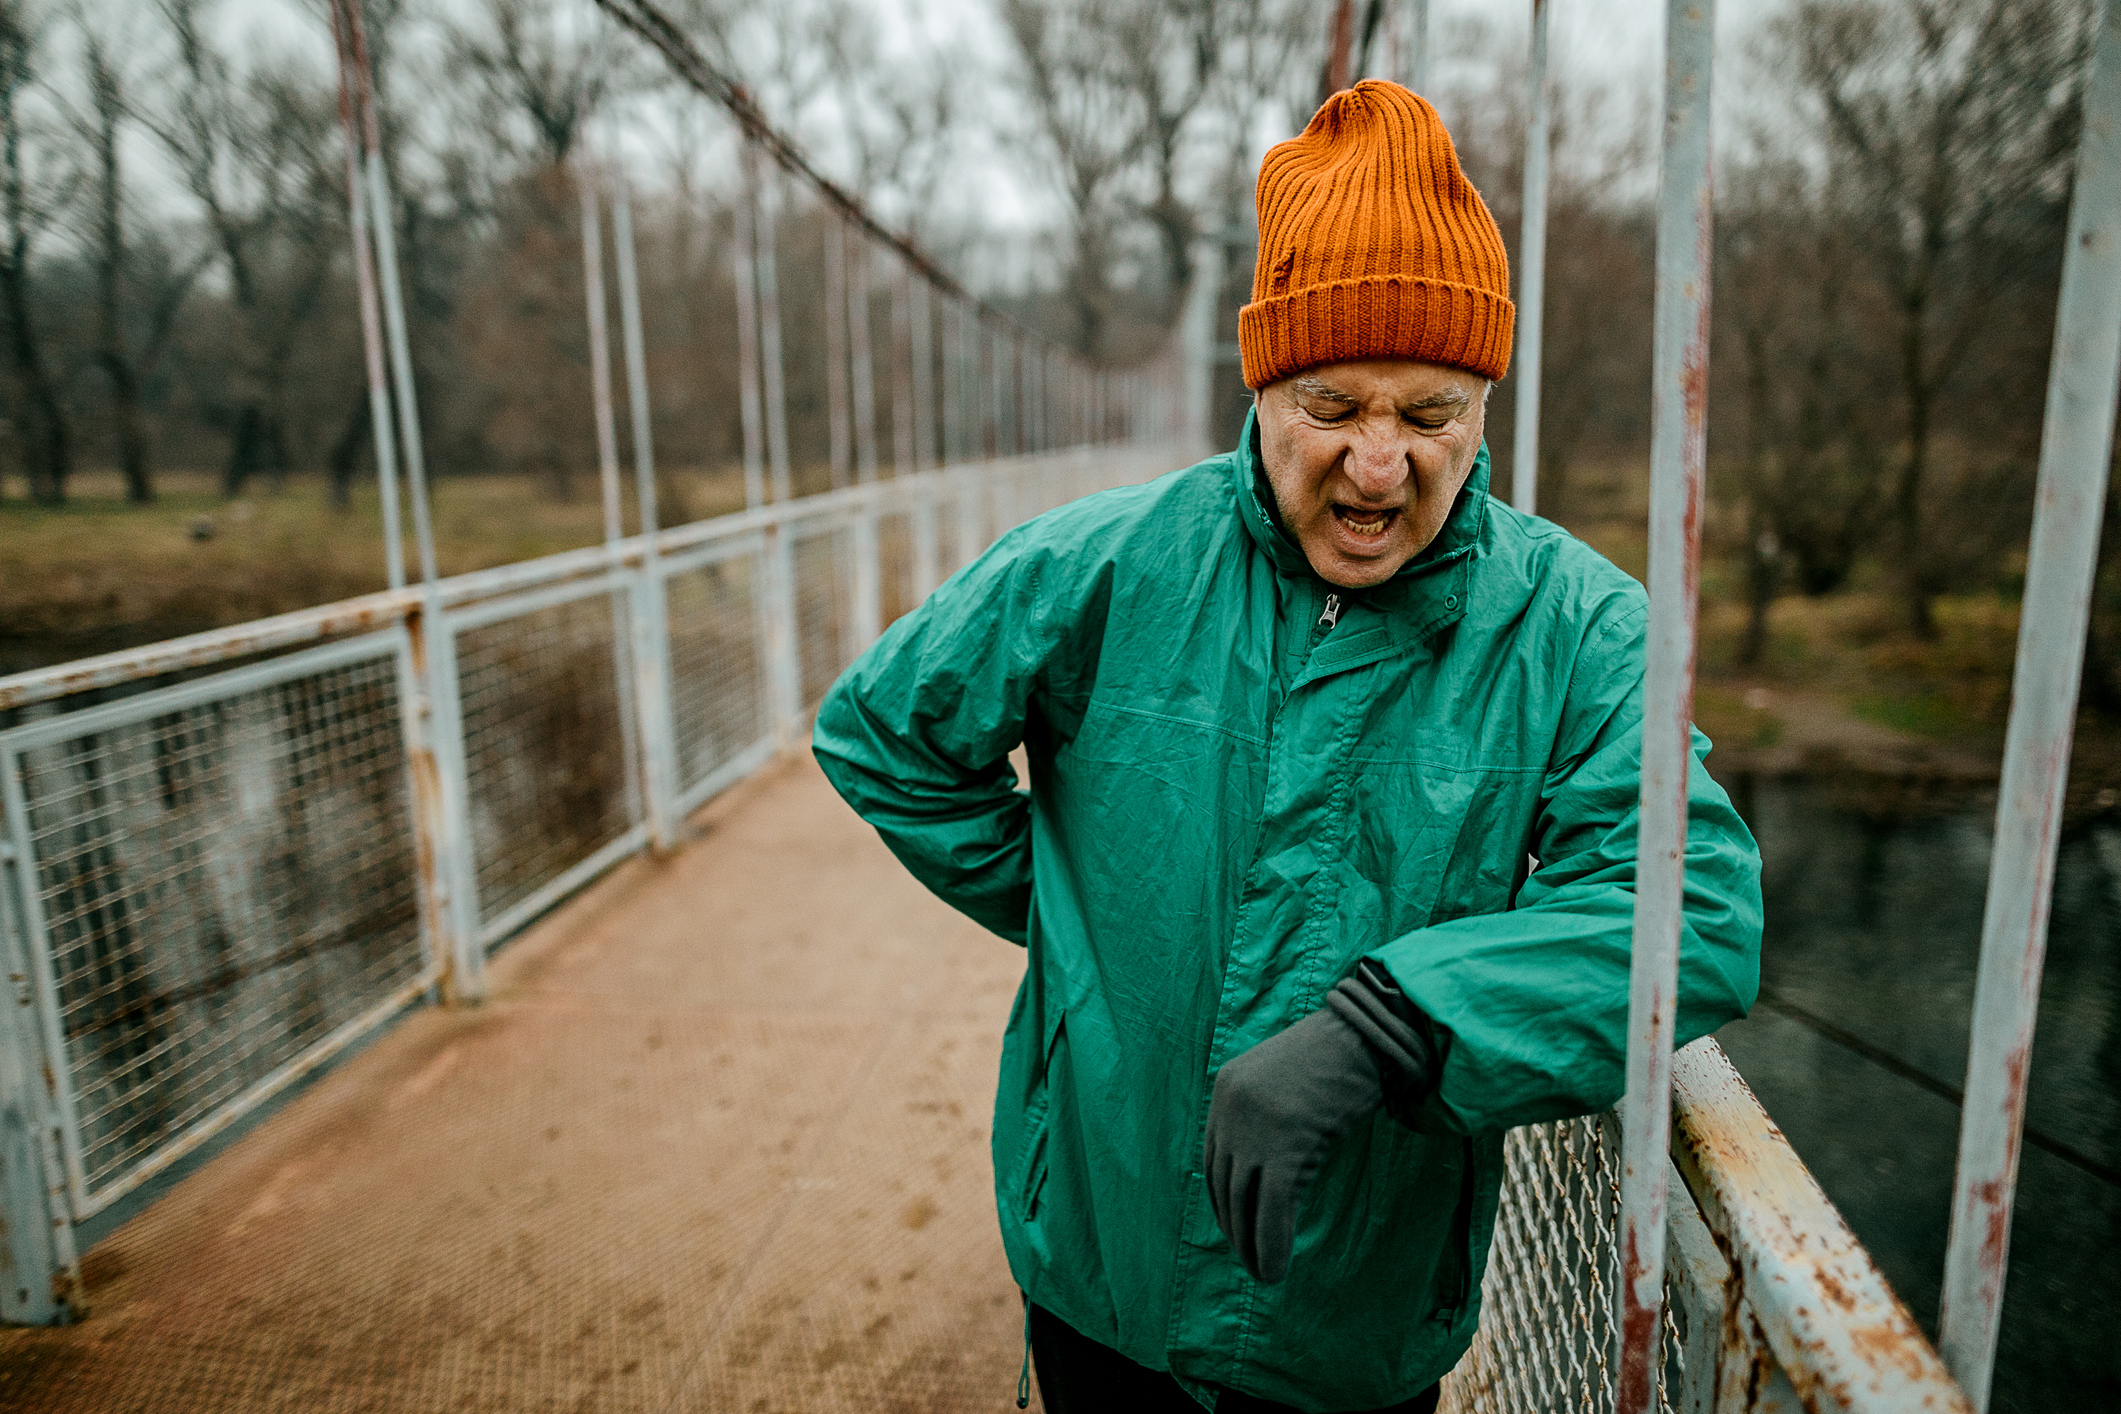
717 1142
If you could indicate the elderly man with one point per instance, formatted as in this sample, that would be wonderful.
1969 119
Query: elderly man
1326 866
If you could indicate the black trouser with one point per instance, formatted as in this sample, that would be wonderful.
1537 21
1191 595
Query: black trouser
1077 1375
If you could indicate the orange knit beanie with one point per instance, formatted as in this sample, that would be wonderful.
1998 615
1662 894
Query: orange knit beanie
1372 244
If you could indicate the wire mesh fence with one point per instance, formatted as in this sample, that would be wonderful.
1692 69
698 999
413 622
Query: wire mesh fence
216 883
824 608
719 708
548 745
223 877
1550 1297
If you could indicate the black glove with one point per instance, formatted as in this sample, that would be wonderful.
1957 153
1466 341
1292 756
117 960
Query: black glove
1281 1105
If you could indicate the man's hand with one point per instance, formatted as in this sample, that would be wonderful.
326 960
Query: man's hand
1277 1109
1281 1105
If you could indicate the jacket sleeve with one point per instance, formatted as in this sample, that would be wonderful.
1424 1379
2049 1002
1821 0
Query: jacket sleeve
916 734
1532 1003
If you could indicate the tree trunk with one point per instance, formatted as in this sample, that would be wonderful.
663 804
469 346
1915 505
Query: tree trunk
46 454
345 453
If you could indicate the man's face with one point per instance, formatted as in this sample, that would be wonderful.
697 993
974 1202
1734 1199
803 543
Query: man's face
1366 459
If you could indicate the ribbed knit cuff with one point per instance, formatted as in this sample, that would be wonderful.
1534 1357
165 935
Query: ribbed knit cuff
1382 316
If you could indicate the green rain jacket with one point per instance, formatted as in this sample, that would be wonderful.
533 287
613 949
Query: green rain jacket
1235 797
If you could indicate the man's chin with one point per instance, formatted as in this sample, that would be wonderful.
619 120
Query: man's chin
1353 572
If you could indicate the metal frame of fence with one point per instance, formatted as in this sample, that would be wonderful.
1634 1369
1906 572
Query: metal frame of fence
215 885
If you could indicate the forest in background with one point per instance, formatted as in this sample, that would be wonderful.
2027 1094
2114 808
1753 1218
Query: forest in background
176 305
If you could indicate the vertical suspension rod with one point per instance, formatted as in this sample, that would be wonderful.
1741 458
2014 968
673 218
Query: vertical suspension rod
1418 45
837 418
1531 273
384 229
858 341
768 267
599 353
2076 444
350 83
1678 450
747 336
902 442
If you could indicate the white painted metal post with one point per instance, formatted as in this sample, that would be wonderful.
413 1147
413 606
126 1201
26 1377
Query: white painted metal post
858 341
902 440
40 1272
433 733
2076 444
783 668
608 476
401 363
836 412
650 611
1678 451
600 356
1531 274
927 569
953 383
747 339
768 266
921 336
352 83
1418 45
861 536
1198 342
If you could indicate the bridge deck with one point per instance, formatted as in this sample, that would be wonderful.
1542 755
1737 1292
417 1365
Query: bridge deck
719 1141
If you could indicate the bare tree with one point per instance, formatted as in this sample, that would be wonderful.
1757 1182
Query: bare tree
27 204
257 154
136 306
1947 128
1129 98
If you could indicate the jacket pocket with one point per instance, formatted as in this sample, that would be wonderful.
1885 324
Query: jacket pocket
1031 1165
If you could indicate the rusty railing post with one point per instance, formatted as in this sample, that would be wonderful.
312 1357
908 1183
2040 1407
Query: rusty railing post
2075 445
448 894
42 1286
1678 450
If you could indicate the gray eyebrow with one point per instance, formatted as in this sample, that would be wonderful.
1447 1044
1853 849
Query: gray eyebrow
1308 384
1443 398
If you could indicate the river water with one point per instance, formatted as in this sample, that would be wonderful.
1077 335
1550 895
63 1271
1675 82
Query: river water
1874 900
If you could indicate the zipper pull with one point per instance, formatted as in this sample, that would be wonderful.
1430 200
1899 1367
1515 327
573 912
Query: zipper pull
1330 615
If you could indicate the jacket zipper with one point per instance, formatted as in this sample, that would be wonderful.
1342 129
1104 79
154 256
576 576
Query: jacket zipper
1330 615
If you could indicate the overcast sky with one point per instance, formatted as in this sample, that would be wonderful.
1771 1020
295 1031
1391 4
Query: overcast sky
1616 42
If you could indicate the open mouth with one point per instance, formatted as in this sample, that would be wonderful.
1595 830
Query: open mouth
1365 523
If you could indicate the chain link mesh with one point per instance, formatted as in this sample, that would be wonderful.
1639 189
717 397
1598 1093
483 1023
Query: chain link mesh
1550 1298
717 699
824 609
548 743
894 557
222 886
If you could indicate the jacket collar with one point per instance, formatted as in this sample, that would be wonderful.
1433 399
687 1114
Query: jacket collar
1427 592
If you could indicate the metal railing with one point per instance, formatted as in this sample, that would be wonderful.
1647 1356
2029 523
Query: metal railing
214 885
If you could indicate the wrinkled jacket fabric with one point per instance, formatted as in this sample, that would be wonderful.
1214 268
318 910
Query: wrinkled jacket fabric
1232 802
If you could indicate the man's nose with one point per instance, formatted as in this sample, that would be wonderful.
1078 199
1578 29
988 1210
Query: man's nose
1377 463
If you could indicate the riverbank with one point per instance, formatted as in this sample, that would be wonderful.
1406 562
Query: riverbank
98 575
1842 691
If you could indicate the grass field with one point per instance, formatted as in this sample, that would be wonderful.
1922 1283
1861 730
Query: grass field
98 574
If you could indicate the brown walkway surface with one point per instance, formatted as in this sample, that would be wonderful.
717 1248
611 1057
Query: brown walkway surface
718 1142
